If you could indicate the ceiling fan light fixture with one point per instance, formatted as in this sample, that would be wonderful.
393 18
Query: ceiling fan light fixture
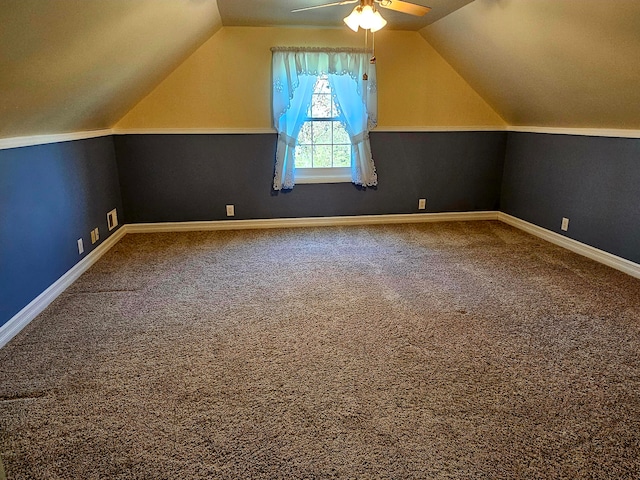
378 22
365 17
353 20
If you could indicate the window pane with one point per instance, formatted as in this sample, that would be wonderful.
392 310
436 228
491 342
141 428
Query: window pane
322 86
323 142
303 156
322 133
305 133
321 106
342 155
340 135
322 156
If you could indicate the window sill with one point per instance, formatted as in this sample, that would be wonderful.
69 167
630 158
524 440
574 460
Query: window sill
323 175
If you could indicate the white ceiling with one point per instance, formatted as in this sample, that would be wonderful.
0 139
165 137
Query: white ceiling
273 13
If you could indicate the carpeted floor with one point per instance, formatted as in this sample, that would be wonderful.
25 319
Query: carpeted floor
452 350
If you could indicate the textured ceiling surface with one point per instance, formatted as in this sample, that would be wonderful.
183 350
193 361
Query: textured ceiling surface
70 65
560 63
272 13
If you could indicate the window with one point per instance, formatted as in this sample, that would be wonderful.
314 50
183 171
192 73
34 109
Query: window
344 96
323 151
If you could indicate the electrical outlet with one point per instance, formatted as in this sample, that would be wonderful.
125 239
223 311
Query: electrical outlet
97 234
80 247
93 237
565 224
112 219
230 211
422 204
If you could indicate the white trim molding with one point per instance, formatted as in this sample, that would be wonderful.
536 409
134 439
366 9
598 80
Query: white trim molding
42 301
460 128
35 307
28 141
587 132
33 140
309 222
191 131
16 142
590 132
606 258
323 175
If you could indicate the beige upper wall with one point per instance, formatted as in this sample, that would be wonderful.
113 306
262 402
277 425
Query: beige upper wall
225 84
556 63
69 65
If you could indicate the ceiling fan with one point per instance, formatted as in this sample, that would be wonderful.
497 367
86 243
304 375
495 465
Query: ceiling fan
366 16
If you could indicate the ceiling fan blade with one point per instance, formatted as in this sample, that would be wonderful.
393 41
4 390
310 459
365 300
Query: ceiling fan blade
404 7
345 2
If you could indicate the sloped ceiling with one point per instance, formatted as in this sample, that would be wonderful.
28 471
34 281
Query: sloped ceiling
74 65
558 63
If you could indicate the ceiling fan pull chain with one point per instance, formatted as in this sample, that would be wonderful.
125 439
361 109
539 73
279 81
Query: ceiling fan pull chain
366 49
372 60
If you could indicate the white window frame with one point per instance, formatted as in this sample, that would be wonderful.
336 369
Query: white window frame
324 174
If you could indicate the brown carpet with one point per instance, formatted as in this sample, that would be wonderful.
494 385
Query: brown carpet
452 350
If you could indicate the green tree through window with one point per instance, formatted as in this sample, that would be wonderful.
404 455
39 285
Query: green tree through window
323 141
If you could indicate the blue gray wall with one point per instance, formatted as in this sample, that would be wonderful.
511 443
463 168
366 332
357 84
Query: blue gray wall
193 177
51 195
593 181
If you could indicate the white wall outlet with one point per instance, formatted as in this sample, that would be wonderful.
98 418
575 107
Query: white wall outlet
422 204
93 237
80 247
230 211
565 224
97 234
112 219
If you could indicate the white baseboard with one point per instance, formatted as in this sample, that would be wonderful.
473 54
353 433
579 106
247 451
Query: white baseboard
28 313
309 222
613 261
42 301
601 256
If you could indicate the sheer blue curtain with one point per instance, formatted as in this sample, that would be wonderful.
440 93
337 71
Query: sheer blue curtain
353 112
294 72
289 125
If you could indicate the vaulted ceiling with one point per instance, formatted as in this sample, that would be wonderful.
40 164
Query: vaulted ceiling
71 65
562 63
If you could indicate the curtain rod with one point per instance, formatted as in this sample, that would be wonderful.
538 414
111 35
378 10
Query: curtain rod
321 49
